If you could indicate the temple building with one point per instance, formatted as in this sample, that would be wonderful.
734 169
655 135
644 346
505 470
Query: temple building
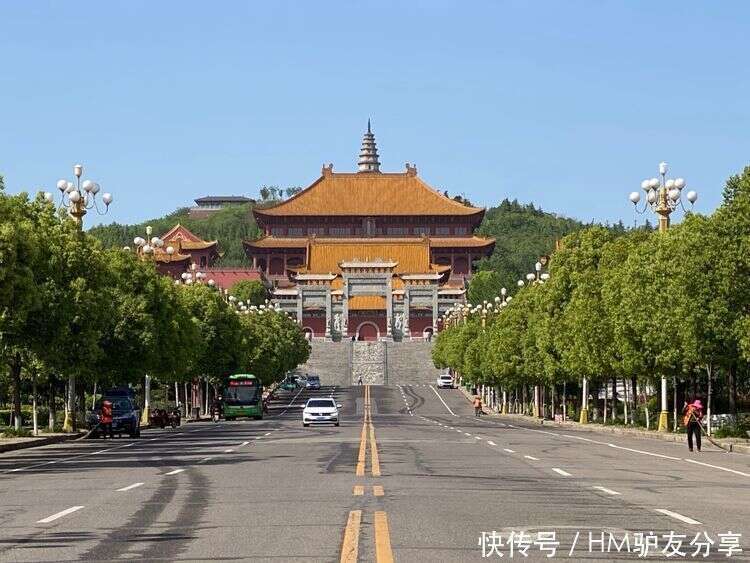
369 255
208 205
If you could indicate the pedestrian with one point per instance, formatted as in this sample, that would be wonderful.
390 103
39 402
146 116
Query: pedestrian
692 416
477 405
105 419
359 381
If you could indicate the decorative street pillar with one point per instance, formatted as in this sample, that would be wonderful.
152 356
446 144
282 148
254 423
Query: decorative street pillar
536 402
407 307
664 413
328 313
145 415
434 309
584 419
389 310
505 402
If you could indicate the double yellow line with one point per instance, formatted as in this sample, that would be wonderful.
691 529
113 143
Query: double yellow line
368 430
350 546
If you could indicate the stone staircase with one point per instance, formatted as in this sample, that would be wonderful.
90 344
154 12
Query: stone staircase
379 363
410 363
330 361
369 363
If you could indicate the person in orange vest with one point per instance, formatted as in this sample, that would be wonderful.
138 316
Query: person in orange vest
692 415
105 419
477 405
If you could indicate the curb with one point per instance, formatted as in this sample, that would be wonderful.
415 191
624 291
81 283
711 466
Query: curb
34 443
635 433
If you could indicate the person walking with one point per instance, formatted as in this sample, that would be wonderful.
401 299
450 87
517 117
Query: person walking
692 416
105 419
477 405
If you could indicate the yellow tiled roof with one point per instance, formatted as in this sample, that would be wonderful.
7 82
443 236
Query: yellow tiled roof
369 194
412 257
195 245
366 302
435 242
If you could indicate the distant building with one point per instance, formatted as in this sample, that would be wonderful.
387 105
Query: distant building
205 206
370 254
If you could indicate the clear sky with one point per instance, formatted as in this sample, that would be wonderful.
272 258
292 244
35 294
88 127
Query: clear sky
567 104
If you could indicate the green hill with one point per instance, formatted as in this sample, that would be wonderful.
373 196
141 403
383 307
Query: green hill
229 226
523 233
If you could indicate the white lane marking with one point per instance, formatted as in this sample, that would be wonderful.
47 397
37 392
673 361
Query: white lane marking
467 433
606 490
644 453
718 467
442 401
206 459
459 431
491 443
451 428
244 444
266 434
677 516
583 439
561 472
229 451
129 487
175 472
531 457
152 439
509 450
60 514
477 437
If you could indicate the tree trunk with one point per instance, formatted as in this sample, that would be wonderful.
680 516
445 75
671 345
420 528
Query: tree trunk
625 400
634 396
605 401
674 403
33 405
15 379
51 404
565 401
614 400
732 384
709 371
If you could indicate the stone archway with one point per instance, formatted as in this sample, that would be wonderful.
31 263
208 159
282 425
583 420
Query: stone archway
368 331
428 333
309 332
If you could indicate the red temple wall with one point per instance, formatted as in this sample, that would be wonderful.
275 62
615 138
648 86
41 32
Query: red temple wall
316 323
356 319
418 324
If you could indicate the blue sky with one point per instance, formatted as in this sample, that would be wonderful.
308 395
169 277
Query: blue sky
566 104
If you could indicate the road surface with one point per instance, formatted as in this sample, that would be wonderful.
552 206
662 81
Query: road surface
410 475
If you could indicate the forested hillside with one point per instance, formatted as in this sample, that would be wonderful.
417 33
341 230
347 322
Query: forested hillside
229 226
523 233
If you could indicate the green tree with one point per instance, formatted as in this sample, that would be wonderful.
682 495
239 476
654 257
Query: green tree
484 286
251 292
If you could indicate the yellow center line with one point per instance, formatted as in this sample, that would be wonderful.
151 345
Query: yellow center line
378 491
375 468
358 491
360 471
383 553
350 547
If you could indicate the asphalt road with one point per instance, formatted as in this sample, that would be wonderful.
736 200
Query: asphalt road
410 475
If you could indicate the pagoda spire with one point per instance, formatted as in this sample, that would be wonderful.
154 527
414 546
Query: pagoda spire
368 154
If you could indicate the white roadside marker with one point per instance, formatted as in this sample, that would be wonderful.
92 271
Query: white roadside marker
60 514
608 491
491 443
560 472
509 450
531 457
677 516
175 472
129 487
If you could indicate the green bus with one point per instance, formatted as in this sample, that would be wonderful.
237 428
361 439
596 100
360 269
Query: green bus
243 396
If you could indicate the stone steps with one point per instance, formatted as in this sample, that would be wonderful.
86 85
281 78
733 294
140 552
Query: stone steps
411 363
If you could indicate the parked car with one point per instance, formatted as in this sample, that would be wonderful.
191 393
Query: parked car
321 411
126 417
445 381
312 382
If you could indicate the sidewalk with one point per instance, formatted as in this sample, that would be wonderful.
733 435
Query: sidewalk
736 445
11 444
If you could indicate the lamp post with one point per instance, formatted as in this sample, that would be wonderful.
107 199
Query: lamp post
663 196
78 197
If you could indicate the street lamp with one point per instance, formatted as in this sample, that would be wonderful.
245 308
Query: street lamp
663 196
78 198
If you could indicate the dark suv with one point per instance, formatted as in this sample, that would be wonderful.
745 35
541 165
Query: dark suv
126 417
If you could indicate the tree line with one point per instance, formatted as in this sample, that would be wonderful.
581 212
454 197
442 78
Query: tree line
70 308
621 308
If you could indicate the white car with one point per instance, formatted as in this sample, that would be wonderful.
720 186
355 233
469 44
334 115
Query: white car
320 411
444 381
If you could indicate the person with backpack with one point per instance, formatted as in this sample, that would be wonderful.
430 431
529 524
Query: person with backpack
692 414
